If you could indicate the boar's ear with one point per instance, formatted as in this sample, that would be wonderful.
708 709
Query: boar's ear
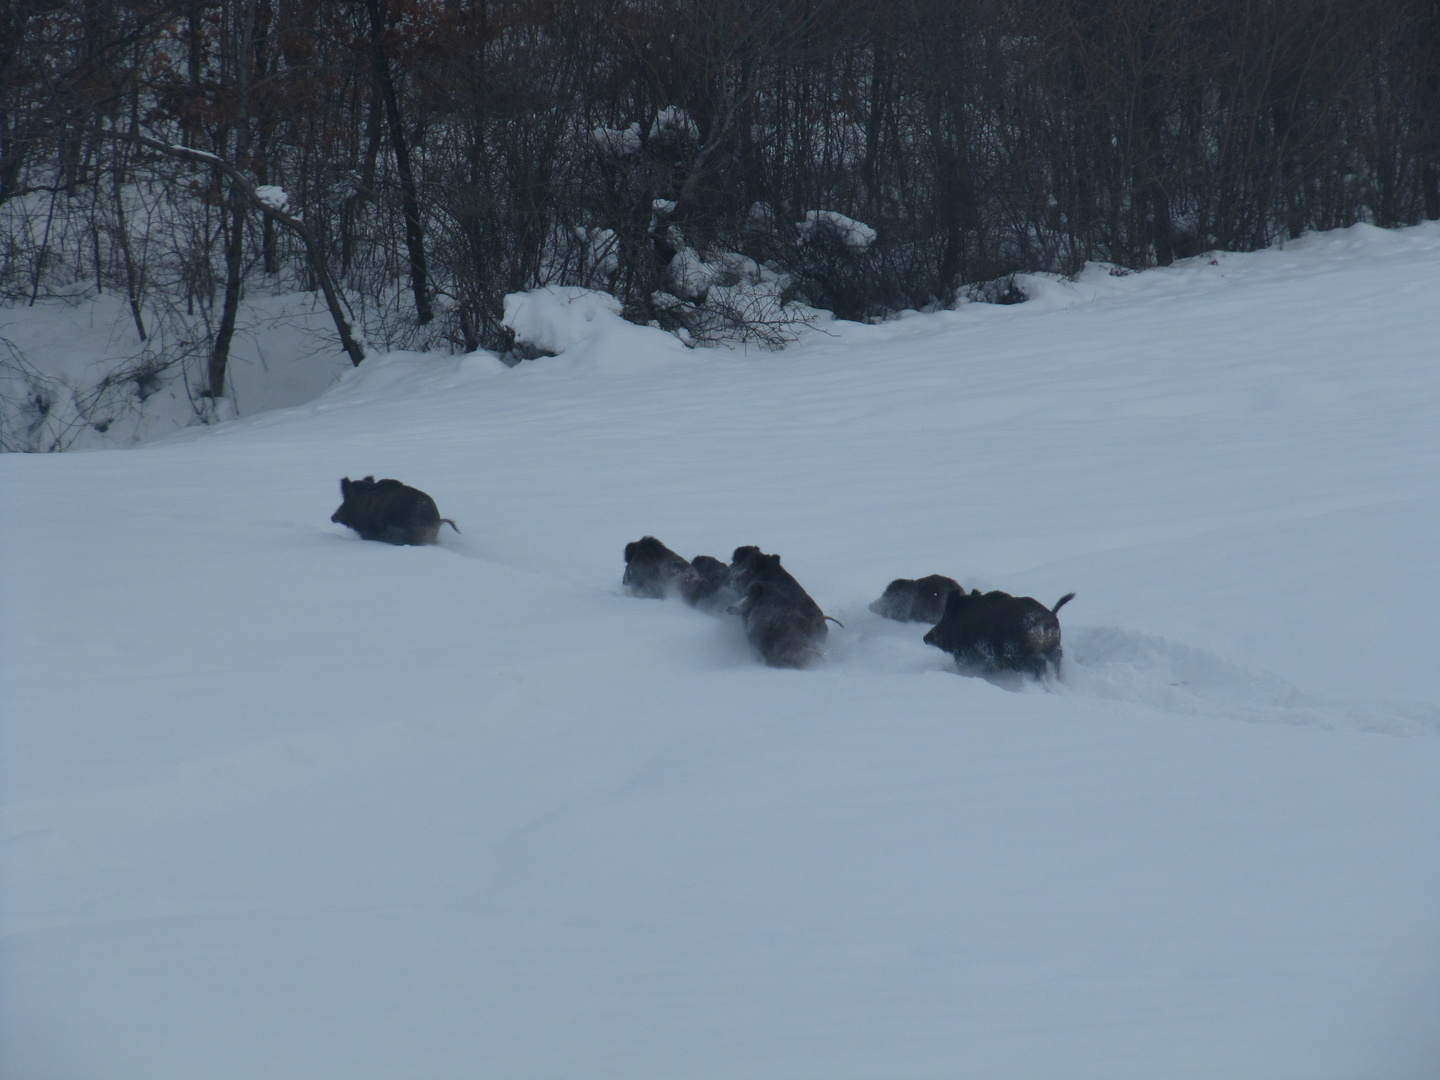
345 487
368 480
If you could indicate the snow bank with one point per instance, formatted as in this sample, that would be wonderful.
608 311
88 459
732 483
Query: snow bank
1103 283
585 326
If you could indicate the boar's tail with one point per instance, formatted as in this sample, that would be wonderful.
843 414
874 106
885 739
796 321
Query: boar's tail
447 521
1062 602
836 621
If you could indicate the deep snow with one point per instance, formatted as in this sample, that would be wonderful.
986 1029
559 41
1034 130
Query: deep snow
279 802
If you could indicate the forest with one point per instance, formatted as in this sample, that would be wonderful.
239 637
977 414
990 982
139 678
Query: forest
717 167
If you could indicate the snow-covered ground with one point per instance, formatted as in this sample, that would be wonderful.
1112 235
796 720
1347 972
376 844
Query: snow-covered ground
277 802
75 374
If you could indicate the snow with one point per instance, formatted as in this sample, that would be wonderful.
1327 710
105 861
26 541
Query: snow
102 386
273 197
673 123
582 325
603 250
853 234
203 155
690 275
617 142
280 802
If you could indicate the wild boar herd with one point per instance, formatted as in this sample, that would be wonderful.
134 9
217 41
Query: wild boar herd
987 633
785 626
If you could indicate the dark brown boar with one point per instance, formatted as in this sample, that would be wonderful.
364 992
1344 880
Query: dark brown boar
918 600
389 511
784 631
993 632
710 589
749 565
652 570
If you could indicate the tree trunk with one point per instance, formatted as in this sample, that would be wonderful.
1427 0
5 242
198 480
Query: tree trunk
122 237
314 254
239 203
234 264
409 197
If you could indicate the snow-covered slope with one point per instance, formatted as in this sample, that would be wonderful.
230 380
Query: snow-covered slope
75 375
278 802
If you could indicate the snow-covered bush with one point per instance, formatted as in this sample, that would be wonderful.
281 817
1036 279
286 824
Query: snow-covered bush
673 124
1001 290
853 234
616 142
601 254
549 320
729 298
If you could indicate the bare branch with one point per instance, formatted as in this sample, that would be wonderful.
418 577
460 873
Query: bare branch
313 253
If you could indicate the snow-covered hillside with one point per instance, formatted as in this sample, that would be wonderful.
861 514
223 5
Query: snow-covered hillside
75 374
282 803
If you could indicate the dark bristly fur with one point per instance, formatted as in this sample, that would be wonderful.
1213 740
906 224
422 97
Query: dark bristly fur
389 511
711 588
994 631
919 600
784 631
783 624
749 564
652 570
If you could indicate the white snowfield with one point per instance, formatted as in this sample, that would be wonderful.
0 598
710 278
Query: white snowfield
280 803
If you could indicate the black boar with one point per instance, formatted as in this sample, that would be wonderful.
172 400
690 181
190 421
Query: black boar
390 511
652 570
782 623
920 600
994 631
710 589
749 565
780 627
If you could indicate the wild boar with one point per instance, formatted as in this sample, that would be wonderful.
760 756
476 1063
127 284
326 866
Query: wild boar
389 511
919 600
652 570
780 627
993 632
711 588
749 565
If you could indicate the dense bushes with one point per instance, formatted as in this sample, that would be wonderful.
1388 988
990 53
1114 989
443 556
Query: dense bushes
692 158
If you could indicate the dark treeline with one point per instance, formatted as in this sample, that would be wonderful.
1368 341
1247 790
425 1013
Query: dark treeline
443 153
